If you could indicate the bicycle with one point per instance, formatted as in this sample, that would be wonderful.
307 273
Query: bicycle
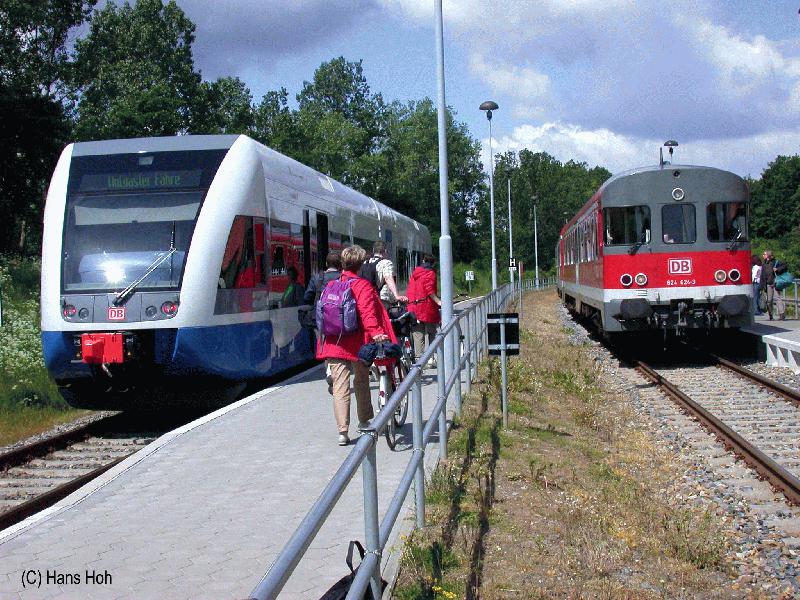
391 375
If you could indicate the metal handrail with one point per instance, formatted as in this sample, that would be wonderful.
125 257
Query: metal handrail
364 452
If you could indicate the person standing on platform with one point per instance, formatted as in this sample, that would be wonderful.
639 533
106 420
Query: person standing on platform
756 277
333 262
341 352
768 274
424 302
378 269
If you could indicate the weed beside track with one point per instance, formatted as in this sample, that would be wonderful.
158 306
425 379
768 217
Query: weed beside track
574 500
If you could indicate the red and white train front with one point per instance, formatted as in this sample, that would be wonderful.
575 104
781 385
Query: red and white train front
660 248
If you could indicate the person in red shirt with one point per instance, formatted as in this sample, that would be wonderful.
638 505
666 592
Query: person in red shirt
424 302
341 354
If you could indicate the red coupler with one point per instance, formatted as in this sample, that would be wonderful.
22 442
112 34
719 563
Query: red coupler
99 348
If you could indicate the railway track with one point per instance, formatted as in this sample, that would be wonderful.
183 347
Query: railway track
37 475
756 418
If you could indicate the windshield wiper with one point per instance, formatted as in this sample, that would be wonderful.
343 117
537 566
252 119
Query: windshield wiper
635 248
128 291
735 240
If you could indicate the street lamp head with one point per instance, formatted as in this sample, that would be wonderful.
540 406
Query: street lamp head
489 106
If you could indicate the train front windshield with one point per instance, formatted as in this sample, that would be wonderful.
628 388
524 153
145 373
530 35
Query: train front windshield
131 217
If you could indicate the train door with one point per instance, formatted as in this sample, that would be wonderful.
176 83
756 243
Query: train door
322 240
307 247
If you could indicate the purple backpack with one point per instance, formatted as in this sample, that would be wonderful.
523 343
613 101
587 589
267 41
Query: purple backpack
336 309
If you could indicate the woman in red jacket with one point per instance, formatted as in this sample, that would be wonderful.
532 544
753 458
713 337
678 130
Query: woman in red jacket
341 354
424 303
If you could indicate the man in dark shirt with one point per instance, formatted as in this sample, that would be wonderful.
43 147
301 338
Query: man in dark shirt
768 275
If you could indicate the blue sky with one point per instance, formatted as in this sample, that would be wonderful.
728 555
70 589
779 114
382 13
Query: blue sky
605 82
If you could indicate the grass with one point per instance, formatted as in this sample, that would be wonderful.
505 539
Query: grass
29 400
574 500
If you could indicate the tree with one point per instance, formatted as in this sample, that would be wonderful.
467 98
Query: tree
34 72
227 107
340 124
275 125
135 74
776 198
410 180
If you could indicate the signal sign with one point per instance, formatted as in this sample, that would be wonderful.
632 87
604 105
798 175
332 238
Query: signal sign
512 263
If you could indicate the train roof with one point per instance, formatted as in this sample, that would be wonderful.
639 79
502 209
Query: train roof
277 167
638 171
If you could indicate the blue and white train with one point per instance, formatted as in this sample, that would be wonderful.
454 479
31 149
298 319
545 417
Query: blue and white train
176 264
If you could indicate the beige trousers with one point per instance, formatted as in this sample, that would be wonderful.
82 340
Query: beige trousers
423 334
340 374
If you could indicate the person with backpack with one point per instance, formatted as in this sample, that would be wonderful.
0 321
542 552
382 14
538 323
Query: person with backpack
350 315
770 269
333 262
424 302
378 269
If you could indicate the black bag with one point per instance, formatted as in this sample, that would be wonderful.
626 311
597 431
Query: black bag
369 270
341 587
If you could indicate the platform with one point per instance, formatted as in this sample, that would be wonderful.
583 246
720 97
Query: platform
781 341
202 511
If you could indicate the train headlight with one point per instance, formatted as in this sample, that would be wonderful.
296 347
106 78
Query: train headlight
169 308
720 276
641 279
69 311
83 313
626 280
150 311
734 275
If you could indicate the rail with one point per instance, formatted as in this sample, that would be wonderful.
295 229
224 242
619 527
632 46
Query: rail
791 302
469 326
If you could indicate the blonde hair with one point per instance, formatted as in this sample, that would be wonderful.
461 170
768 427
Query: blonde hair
353 257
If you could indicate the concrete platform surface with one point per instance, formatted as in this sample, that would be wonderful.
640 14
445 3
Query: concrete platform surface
202 511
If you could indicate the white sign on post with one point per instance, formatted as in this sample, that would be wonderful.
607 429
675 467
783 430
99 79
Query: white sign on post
470 275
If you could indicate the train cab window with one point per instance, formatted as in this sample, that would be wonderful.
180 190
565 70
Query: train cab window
678 224
726 221
626 225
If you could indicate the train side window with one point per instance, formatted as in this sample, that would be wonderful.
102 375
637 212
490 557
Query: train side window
239 269
678 224
726 221
626 225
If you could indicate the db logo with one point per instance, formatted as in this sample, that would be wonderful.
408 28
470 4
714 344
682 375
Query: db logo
116 313
680 266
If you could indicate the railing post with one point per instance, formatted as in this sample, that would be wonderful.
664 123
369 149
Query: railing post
504 374
419 446
442 381
371 524
457 365
795 299
468 342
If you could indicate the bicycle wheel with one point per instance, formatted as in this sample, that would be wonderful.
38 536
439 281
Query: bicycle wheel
385 391
401 412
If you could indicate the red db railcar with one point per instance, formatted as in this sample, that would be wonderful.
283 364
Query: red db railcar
660 248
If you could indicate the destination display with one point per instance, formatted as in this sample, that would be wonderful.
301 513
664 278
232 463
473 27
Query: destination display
153 180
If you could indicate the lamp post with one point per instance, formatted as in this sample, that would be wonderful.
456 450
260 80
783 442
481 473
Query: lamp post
489 106
510 234
535 246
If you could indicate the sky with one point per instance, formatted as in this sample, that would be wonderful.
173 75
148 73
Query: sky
604 82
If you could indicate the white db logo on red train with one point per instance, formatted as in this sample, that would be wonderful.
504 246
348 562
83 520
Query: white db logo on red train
680 266
116 313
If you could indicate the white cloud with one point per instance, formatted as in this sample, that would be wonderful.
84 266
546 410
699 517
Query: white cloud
746 155
517 82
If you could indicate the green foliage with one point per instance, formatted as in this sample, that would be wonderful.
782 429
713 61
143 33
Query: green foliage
135 73
558 190
34 125
786 249
776 198
24 380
